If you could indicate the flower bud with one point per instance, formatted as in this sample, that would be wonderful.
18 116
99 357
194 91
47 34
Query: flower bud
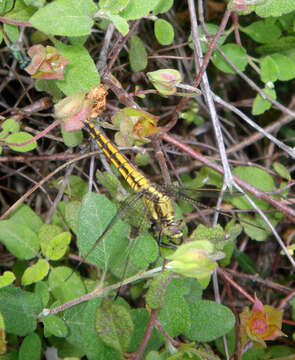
73 110
165 80
47 63
195 259
134 126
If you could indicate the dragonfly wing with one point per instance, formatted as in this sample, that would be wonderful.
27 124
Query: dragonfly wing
104 239
142 249
193 194
101 233
139 254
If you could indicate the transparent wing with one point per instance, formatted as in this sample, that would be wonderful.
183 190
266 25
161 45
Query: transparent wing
105 237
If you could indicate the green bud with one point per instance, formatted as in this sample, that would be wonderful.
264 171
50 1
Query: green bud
195 259
165 80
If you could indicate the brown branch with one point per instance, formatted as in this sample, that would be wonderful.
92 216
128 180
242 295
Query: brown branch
14 22
226 277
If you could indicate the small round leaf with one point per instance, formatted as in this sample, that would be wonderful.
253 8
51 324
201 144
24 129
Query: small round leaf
20 137
164 32
235 53
36 272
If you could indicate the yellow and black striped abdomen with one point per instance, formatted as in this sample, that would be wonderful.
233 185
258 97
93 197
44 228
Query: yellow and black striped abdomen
134 178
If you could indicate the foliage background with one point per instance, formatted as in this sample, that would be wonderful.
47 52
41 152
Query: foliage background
48 213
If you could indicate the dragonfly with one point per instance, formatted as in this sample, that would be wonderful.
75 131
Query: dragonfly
159 205
155 200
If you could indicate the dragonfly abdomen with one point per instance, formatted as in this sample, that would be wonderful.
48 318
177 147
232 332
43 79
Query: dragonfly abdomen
133 177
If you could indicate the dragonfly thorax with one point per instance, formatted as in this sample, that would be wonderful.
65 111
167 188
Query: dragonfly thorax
161 210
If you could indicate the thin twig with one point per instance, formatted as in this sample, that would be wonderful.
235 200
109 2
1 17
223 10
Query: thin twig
228 180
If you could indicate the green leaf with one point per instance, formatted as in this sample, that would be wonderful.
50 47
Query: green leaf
26 216
214 235
5 6
20 310
30 348
288 134
280 45
285 65
114 325
262 31
36 3
256 177
95 215
12 32
71 214
230 341
175 315
109 181
145 251
20 11
235 53
140 318
72 138
245 262
207 176
154 355
286 21
265 182
134 257
209 321
228 250
195 291
113 6
58 246
94 346
9 126
137 9
41 289
120 24
55 326
20 137
164 32
19 239
81 73
269 70
254 354
77 189
63 286
7 278
163 6
280 351
155 295
65 17
281 170
259 231
50 87
46 233
35 272
260 105
137 54
73 318
274 8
